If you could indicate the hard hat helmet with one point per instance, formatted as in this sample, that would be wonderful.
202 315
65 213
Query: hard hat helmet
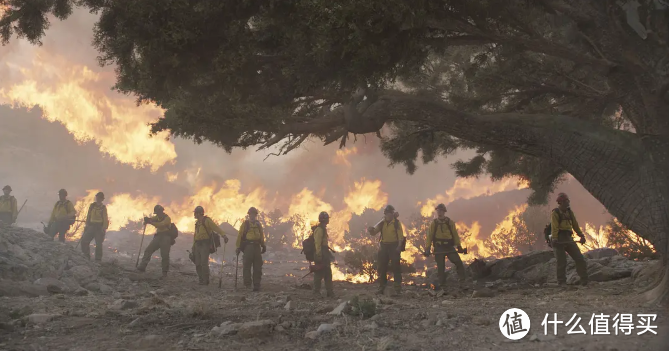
323 216
199 209
7 187
62 191
441 207
100 194
158 209
389 209
253 210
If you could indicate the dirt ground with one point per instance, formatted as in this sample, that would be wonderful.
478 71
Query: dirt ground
178 314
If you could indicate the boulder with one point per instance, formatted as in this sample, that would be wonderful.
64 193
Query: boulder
83 274
52 285
256 329
507 268
339 309
21 288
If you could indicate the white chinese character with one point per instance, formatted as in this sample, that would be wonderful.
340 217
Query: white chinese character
600 325
644 323
625 323
571 331
555 322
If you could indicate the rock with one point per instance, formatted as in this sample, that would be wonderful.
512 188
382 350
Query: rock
372 325
601 253
41 318
485 292
83 274
313 335
385 343
447 302
279 328
135 323
13 288
339 309
288 306
226 328
256 329
81 292
541 337
287 325
507 268
52 285
123 305
481 321
326 328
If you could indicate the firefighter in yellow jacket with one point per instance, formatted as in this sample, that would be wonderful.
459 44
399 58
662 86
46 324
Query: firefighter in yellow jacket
62 216
322 257
97 223
444 236
563 226
390 249
161 240
8 209
203 243
251 242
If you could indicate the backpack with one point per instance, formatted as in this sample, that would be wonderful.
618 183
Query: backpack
173 231
215 238
549 228
309 246
247 227
434 232
396 224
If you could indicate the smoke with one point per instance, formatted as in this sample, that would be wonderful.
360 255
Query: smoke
84 136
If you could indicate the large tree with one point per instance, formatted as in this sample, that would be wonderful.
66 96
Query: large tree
537 88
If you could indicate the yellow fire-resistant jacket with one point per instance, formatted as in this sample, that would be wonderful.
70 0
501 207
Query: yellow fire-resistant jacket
442 229
320 240
8 205
161 224
97 214
254 233
204 227
62 210
388 232
568 223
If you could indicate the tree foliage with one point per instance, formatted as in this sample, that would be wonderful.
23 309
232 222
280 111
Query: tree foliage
627 243
530 86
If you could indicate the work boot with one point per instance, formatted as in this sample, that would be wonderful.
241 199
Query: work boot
380 291
141 269
164 276
330 294
256 288
396 292
584 282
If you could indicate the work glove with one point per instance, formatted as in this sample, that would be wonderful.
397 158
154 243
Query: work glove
147 220
582 241
370 230
426 253
263 249
459 248
550 243
225 239
238 251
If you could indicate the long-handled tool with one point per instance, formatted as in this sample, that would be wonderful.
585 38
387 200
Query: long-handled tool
220 272
24 203
140 246
236 271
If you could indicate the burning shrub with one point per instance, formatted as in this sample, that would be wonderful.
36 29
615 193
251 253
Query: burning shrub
628 243
361 260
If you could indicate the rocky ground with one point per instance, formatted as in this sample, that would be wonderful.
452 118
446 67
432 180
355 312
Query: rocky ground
51 298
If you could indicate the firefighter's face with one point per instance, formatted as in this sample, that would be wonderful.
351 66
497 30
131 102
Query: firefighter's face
6 191
253 216
441 213
389 216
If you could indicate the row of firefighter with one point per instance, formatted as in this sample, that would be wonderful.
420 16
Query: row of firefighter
442 241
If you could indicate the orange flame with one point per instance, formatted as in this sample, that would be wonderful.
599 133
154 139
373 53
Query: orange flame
66 94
